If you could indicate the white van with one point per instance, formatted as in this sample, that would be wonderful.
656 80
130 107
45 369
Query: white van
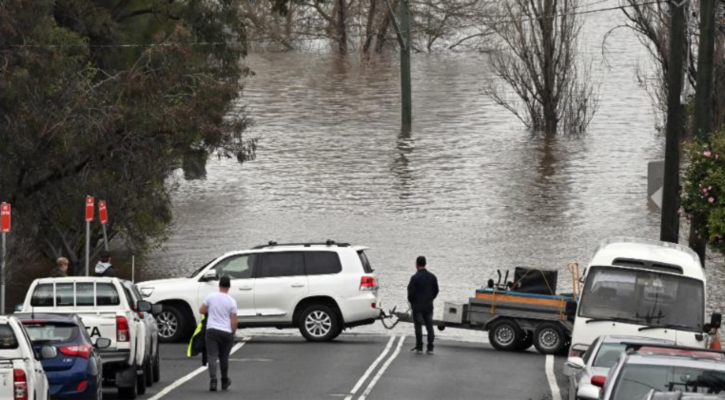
640 287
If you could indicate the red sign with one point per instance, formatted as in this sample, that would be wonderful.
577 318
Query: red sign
5 217
89 208
102 212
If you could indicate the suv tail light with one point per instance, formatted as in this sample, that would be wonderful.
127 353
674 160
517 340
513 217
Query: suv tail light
81 350
368 283
122 329
20 385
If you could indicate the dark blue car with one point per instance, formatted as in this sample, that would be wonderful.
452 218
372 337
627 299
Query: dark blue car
76 372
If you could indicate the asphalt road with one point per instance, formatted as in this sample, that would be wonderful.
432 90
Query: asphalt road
361 367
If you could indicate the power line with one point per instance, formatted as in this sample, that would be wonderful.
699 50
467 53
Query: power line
505 18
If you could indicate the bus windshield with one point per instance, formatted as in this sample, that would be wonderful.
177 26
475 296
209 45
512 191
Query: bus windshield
643 297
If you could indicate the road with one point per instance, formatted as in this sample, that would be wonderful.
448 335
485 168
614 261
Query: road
361 367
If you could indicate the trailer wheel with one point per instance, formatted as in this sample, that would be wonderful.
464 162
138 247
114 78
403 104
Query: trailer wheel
505 335
549 338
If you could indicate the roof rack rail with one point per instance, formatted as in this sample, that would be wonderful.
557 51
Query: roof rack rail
632 347
329 242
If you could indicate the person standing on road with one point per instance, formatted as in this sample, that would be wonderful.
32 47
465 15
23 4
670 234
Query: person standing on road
221 326
61 268
422 290
104 267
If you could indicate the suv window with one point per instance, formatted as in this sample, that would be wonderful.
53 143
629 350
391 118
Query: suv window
7 338
236 267
322 262
365 262
280 264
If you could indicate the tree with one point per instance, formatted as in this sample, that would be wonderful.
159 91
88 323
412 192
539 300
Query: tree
108 99
537 60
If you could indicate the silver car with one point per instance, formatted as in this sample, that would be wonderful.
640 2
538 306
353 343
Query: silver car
596 361
641 369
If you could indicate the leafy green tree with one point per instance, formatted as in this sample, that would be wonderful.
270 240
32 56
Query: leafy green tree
108 98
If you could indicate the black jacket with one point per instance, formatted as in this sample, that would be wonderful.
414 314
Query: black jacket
56 272
422 290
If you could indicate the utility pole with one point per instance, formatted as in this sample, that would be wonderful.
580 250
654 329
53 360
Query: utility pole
703 106
670 226
402 31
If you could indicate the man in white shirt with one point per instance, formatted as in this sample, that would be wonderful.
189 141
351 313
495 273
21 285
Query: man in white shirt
221 326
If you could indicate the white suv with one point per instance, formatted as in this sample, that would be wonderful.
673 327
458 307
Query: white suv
320 288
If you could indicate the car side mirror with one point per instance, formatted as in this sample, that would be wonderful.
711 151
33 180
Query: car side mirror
48 352
156 309
715 321
102 343
143 306
599 380
573 365
209 276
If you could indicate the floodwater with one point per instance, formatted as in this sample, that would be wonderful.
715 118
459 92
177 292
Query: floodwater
468 188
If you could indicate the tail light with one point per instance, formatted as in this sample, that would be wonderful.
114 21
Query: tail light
368 283
81 350
20 385
122 329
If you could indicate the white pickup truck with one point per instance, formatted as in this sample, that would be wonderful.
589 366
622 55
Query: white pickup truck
107 310
21 373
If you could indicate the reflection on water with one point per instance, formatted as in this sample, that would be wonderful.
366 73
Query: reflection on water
466 187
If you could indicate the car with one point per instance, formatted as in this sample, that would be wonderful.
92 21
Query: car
76 371
152 357
22 376
319 288
597 360
642 368
678 395
107 310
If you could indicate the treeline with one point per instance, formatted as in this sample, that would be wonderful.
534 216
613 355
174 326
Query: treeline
108 98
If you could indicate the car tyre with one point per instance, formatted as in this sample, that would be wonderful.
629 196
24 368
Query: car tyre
172 324
549 338
505 335
157 366
149 373
318 323
141 381
128 392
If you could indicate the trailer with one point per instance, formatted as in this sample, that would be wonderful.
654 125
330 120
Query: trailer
514 317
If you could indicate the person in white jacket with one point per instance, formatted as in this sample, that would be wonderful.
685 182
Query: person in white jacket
104 267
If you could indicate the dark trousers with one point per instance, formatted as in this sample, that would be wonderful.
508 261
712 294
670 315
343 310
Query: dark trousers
218 346
421 318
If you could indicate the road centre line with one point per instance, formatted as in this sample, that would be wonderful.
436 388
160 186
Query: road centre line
551 377
192 374
371 368
382 370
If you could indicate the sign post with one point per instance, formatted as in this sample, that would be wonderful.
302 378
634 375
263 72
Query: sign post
89 218
103 217
5 228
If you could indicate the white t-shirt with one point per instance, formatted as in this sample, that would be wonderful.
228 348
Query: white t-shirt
220 306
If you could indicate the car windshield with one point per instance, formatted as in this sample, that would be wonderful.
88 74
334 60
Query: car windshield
637 380
643 298
198 270
48 332
608 354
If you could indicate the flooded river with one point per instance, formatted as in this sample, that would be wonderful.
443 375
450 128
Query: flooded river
467 187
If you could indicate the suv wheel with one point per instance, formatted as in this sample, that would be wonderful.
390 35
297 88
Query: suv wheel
318 323
172 324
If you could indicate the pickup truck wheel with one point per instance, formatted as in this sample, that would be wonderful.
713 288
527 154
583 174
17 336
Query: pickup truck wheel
127 392
157 367
149 373
318 323
549 338
505 335
141 381
172 324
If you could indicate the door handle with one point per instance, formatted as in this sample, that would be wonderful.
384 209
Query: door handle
298 285
245 288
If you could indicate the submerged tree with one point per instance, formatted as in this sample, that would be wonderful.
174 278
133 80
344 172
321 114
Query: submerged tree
537 60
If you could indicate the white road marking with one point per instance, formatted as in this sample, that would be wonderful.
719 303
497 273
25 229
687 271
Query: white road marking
191 375
382 370
555 392
371 369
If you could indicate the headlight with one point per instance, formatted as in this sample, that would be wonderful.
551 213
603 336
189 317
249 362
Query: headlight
146 292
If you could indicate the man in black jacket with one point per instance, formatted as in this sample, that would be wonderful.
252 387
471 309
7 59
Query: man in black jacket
422 290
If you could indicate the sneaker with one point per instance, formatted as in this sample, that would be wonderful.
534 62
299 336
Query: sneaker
212 385
226 382
416 350
429 351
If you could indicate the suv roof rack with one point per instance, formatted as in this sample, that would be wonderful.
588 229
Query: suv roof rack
634 347
329 242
